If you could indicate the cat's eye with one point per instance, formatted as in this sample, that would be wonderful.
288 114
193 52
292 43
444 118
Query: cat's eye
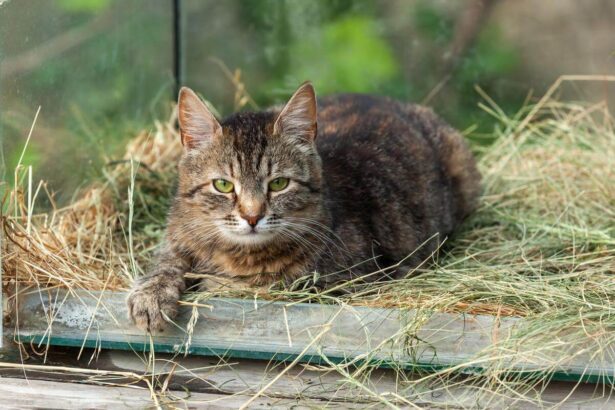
224 186
278 184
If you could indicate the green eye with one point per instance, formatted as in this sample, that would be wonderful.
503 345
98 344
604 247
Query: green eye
278 184
223 185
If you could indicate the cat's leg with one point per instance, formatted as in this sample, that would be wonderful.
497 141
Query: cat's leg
156 294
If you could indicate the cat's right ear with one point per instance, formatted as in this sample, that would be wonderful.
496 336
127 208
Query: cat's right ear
197 124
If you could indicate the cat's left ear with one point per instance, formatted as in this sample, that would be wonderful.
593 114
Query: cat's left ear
298 117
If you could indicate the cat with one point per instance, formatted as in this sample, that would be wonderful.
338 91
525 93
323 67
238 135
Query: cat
344 189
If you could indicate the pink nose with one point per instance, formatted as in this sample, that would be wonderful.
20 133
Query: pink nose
252 219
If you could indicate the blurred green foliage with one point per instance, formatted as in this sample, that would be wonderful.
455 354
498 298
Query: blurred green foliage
351 46
351 56
105 74
490 60
99 92
83 5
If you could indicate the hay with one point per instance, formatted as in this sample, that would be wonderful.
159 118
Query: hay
86 245
541 246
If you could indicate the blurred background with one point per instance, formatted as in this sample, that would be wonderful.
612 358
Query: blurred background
101 70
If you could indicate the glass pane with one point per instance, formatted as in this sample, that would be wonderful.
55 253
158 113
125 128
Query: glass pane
99 70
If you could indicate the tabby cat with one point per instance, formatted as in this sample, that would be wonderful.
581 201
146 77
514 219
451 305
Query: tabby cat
344 189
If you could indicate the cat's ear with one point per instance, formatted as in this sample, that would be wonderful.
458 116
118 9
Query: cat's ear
197 124
298 117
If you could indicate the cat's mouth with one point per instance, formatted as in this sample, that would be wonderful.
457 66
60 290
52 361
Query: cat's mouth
238 231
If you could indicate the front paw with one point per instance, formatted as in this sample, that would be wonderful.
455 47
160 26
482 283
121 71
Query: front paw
152 301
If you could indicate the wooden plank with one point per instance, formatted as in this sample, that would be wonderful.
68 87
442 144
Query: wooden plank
260 329
22 393
28 394
231 385
249 376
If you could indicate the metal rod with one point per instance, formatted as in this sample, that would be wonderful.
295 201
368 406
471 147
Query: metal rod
177 47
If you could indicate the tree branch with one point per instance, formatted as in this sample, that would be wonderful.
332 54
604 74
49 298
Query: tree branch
467 29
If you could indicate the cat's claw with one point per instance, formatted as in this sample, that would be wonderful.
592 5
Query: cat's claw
151 302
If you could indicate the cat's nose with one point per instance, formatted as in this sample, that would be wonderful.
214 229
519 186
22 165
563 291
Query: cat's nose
251 209
252 219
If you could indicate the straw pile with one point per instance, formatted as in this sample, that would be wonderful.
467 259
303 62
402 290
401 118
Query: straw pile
103 238
541 246
542 240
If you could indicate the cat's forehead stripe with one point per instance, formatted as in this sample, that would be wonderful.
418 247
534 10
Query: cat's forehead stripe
249 133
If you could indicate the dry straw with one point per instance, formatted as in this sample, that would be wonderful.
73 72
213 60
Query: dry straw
541 246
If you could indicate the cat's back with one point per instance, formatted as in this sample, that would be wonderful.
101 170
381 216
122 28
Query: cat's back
378 129
394 172
345 120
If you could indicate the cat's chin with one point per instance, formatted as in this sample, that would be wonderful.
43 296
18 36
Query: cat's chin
249 239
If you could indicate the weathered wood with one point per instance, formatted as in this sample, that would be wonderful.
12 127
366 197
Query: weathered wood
231 385
248 376
260 329
22 393
28 394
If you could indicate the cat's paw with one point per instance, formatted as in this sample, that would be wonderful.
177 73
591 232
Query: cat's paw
152 301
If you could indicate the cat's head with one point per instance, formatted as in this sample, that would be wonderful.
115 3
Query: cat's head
253 178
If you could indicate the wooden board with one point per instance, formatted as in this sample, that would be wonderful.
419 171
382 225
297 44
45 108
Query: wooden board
42 394
266 330
205 382
294 392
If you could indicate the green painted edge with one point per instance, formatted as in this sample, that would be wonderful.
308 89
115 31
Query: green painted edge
310 359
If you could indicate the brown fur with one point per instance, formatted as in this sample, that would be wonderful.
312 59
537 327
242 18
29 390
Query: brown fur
373 182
